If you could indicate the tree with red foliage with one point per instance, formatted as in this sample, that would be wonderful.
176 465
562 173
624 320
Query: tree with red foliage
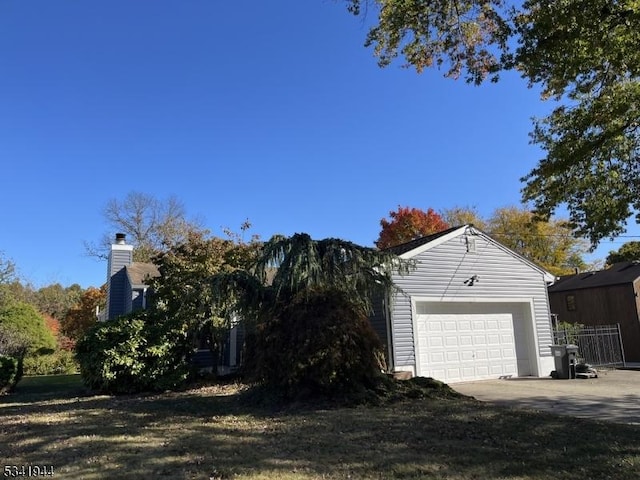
407 224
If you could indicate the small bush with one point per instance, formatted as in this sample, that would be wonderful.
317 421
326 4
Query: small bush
320 344
132 354
61 362
9 373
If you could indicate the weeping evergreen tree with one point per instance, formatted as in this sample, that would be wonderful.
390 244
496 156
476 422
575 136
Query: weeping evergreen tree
306 305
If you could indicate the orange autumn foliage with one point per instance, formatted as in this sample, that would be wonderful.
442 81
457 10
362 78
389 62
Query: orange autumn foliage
52 324
406 224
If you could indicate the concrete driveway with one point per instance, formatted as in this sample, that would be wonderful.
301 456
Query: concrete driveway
613 396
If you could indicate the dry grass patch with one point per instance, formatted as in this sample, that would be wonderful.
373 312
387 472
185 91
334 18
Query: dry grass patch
207 433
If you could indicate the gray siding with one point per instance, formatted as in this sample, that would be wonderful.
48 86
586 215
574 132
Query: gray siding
118 293
117 282
440 274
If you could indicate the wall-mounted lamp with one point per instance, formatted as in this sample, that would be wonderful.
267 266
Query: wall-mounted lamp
469 282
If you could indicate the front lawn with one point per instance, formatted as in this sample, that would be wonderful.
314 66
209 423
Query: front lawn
206 433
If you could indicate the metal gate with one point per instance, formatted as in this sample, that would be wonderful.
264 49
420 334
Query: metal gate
599 346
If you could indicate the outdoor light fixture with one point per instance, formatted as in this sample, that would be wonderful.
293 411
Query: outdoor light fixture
471 280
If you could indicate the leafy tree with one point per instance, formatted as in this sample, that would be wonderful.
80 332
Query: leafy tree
461 35
464 216
152 225
56 300
583 54
407 224
183 293
82 315
293 276
7 279
7 270
628 252
550 244
150 350
16 291
24 320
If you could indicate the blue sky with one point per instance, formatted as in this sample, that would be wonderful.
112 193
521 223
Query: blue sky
272 111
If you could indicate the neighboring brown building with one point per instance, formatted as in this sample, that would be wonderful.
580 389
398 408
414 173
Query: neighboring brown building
604 297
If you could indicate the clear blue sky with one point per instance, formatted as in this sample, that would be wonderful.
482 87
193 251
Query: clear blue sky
267 110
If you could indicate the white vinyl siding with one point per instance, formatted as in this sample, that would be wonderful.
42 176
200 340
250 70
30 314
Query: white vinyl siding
441 273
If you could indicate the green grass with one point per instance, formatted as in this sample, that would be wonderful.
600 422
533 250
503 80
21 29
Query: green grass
206 433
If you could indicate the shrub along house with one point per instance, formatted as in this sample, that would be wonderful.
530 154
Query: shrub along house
603 297
128 291
471 309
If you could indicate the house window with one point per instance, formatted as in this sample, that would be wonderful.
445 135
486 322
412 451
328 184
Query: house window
571 303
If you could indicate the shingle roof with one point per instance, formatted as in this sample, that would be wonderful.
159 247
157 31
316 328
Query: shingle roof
619 273
408 246
140 272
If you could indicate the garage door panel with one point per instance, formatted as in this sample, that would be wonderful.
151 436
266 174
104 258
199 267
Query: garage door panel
451 341
464 345
479 340
492 325
437 358
495 354
468 372
453 357
467 356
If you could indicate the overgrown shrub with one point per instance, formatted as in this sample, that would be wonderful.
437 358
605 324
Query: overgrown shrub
60 362
132 354
9 373
320 343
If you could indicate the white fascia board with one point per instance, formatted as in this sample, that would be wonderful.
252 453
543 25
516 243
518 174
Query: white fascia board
434 243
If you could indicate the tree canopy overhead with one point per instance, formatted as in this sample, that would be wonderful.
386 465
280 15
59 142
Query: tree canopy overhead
583 54
152 225
628 252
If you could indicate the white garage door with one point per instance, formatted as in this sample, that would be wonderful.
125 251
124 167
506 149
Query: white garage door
458 343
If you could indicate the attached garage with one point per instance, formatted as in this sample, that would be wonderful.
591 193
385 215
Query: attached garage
470 309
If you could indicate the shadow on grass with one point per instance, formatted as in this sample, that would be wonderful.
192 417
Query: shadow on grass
207 433
46 387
